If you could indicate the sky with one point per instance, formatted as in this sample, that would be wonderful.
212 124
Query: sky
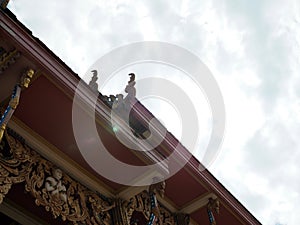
252 49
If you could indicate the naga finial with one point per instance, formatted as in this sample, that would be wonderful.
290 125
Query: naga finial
93 83
130 89
132 78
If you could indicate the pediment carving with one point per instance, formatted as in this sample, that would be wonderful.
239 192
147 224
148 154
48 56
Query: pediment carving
51 187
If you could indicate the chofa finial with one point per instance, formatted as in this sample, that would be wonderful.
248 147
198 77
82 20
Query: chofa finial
130 89
93 83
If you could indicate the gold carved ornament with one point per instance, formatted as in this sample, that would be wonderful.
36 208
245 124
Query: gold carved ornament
7 58
57 192
14 100
142 203
66 198
213 205
13 166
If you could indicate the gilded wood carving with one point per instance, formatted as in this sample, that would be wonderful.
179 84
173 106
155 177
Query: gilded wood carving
145 204
213 205
51 187
8 58
14 100
69 200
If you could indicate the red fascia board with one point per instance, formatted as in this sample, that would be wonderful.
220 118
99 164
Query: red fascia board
202 173
217 188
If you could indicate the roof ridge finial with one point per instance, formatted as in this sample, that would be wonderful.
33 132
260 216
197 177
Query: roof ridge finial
130 89
3 4
93 83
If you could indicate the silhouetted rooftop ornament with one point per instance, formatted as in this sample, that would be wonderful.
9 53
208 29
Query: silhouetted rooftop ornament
130 89
117 102
93 83
3 4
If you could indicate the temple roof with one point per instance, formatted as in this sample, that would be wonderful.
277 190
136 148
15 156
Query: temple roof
44 119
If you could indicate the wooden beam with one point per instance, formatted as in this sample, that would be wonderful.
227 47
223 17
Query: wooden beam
19 214
197 203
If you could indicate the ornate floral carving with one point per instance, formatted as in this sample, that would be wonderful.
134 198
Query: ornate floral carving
13 168
139 203
166 217
119 213
7 58
51 188
182 219
66 198
146 204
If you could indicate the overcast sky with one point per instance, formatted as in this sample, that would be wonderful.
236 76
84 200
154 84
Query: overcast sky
251 47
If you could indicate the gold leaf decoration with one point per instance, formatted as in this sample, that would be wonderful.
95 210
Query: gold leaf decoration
141 203
8 58
51 188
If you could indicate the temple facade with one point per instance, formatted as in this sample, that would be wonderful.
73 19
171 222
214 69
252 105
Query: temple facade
44 178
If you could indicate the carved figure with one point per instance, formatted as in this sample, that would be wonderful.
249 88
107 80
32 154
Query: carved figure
26 78
55 187
76 205
101 210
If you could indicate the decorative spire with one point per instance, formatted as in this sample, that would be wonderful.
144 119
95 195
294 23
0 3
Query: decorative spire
93 83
